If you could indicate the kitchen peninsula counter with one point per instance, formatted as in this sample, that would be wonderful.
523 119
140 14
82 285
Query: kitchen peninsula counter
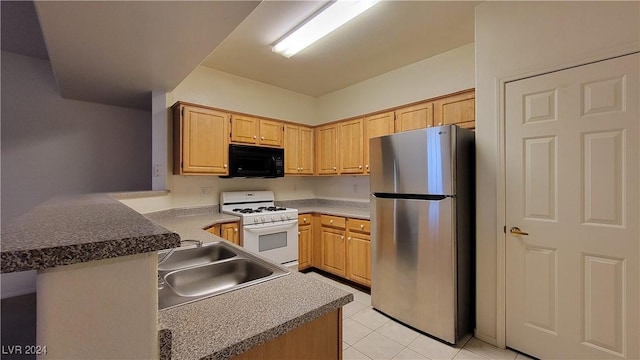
228 324
76 229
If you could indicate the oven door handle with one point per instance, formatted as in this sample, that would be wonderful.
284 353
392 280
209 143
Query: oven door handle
277 227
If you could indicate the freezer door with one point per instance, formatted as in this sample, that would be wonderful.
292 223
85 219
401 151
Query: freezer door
414 162
413 263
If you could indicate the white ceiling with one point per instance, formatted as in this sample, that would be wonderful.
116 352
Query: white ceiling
390 35
118 52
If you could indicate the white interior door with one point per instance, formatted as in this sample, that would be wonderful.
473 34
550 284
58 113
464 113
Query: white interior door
572 160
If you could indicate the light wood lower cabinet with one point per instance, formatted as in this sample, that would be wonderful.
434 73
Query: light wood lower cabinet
320 339
228 231
305 233
342 247
359 251
333 254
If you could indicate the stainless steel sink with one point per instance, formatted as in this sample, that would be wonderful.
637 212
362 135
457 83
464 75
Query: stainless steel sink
215 277
180 259
192 274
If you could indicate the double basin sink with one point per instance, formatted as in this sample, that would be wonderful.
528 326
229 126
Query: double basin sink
190 274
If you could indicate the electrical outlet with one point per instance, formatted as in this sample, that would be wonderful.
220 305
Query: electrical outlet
355 188
156 170
205 190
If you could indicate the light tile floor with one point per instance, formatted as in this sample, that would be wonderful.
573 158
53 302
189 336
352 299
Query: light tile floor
367 334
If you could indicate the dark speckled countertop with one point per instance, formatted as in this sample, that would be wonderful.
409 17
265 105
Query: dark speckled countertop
228 324
79 228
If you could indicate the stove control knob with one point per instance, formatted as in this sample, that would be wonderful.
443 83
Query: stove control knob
273 218
255 220
289 217
263 219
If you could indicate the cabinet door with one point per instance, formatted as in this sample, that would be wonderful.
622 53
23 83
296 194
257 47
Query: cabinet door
333 251
359 258
291 149
374 126
230 232
215 230
414 117
350 145
271 133
327 149
304 247
458 109
305 148
200 141
244 129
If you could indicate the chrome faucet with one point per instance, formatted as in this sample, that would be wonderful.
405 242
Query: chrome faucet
166 256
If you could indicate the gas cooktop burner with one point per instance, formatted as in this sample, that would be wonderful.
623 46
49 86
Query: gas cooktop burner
247 211
271 208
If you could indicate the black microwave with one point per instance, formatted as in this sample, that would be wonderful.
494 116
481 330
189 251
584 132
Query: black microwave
255 161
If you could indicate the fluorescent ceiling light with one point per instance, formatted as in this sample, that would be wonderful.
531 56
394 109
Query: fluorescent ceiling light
332 17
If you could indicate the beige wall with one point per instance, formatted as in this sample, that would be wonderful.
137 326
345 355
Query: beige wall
518 39
215 88
445 73
53 146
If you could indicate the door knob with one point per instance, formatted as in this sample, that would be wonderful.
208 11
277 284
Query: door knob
516 231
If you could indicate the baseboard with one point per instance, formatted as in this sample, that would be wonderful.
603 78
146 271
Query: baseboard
484 337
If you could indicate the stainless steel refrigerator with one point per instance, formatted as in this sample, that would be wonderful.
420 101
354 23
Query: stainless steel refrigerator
423 229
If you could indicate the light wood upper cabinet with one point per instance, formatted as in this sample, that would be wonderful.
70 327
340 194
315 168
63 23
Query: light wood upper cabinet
244 129
351 146
414 117
457 109
326 149
298 149
374 126
271 133
200 141
255 131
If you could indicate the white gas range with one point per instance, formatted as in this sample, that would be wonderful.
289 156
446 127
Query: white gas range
268 230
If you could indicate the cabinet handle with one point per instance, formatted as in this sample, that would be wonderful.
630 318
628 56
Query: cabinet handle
261 137
298 232
235 229
330 221
429 125
224 166
304 219
367 166
334 168
361 226
439 124
349 238
341 237
360 167
255 137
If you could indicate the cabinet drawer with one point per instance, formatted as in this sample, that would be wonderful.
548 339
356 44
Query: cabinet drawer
358 225
304 219
333 221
